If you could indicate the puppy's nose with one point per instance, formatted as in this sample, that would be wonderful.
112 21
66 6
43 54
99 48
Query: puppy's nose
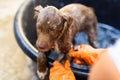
42 45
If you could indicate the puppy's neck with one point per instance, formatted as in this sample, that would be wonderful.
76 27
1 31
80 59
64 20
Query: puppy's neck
63 30
56 47
64 43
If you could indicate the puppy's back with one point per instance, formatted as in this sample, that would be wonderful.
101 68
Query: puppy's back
76 9
81 14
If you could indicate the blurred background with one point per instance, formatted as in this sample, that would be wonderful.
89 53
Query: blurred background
14 64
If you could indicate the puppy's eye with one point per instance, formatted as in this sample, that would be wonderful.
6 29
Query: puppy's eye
51 29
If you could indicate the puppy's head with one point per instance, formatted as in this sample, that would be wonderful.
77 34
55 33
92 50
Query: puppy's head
50 25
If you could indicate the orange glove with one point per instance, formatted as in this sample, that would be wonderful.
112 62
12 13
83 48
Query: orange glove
60 72
86 54
79 61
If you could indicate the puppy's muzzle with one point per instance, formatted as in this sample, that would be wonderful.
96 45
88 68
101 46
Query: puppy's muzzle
42 46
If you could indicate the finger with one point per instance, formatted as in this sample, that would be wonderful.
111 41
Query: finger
67 65
76 48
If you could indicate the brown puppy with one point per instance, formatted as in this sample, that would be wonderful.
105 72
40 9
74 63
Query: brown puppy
56 29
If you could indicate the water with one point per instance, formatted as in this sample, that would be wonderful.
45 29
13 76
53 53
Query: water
107 35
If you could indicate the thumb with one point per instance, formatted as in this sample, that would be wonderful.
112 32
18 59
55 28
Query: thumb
56 66
56 63
67 65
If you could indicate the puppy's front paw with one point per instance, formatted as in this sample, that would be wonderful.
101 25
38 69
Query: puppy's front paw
42 75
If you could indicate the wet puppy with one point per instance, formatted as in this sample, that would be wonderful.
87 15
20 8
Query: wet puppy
56 29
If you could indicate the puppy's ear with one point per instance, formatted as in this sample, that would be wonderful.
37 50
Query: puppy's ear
37 10
69 20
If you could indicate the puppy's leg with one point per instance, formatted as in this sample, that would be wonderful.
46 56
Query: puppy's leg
91 31
42 66
64 52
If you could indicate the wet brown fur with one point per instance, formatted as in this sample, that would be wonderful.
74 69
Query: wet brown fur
51 21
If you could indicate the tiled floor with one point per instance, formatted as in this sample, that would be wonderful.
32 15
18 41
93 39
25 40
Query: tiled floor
14 65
